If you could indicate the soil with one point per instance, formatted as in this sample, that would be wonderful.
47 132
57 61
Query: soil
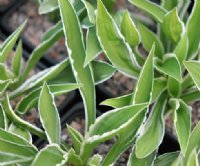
102 149
36 27
4 2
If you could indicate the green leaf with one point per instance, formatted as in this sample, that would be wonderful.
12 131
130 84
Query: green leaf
17 60
77 55
93 48
95 160
8 45
48 6
49 115
90 11
118 102
20 132
124 140
40 51
166 159
173 87
151 8
73 158
31 100
148 37
117 120
192 33
76 137
172 26
11 159
194 143
159 86
3 86
3 119
129 30
133 160
102 71
182 122
193 68
144 88
154 129
10 114
6 74
49 156
40 77
169 66
169 5
193 159
181 49
53 30
191 95
113 43
12 144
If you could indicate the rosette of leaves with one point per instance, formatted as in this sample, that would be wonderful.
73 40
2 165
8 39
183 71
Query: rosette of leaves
167 80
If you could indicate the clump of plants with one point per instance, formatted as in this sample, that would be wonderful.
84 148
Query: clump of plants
167 80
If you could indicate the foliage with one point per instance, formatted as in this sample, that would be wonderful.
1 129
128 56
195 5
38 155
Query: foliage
167 82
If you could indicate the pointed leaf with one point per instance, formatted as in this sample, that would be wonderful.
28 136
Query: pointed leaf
31 100
193 159
6 74
192 33
117 120
173 87
76 137
90 11
143 90
193 68
172 26
17 60
4 85
129 30
12 144
194 143
133 160
10 114
182 123
170 66
3 120
154 129
148 37
93 48
124 140
102 71
181 49
50 155
118 102
153 9
113 43
49 115
40 77
20 132
166 159
77 55
95 160
10 42
48 6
